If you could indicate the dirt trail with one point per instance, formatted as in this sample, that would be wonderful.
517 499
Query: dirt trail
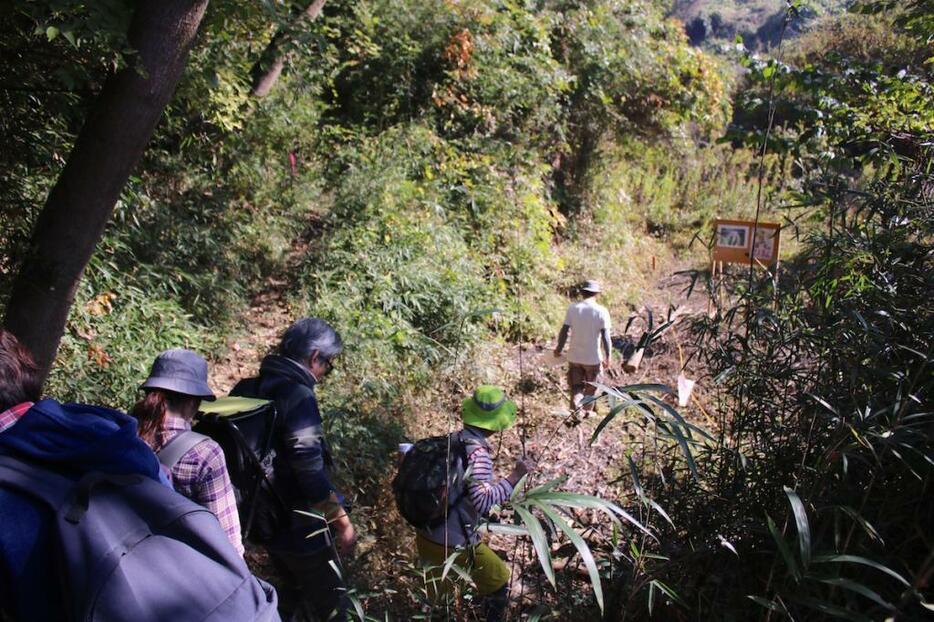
262 323
558 450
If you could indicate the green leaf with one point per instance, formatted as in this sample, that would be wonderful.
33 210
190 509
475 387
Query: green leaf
549 485
451 563
636 484
829 609
358 607
859 588
668 591
804 528
539 541
504 529
610 416
783 549
862 522
518 488
574 500
856 559
675 431
768 604
51 32
581 547
677 416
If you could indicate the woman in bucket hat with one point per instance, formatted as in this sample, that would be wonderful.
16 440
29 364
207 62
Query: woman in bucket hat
176 385
484 413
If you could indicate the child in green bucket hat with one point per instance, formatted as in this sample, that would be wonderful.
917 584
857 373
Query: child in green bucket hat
488 409
484 413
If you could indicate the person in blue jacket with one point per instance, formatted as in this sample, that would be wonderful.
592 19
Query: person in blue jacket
70 439
301 472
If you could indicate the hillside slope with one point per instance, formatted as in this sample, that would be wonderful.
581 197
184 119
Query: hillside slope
758 22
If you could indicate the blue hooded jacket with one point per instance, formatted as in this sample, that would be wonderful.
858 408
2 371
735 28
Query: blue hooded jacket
71 439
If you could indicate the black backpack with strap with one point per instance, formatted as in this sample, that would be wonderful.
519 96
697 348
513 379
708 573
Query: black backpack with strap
244 428
431 480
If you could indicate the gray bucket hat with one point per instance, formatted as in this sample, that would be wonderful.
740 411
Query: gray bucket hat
591 286
181 371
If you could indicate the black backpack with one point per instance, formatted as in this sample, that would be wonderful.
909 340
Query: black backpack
431 480
244 429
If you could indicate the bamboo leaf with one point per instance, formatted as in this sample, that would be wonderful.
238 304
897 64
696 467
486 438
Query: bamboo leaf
862 522
610 416
549 485
859 588
668 591
582 548
358 607
783 549
539 541
677 416
856 559
575 500
726 544
636 484
657 387
829 609
660 510
685 449
804 528
518 488
451 564
768 604
504 529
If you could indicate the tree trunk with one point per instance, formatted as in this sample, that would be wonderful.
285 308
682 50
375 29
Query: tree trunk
269 67
110 144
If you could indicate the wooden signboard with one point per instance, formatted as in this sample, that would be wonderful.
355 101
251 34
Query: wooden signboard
742 241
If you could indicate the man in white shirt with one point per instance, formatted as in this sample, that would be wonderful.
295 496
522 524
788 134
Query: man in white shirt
589 350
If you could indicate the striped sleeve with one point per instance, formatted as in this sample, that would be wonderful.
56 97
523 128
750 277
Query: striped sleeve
484 493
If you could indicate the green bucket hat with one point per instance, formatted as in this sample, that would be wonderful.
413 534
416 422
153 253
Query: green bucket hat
489 409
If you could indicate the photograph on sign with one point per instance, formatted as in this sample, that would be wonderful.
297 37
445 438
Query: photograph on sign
765 244
732 236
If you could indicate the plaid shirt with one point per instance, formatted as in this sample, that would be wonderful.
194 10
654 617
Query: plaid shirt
201 475
12 415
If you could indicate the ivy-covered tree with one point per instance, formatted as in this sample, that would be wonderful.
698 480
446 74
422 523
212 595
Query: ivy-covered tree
119 124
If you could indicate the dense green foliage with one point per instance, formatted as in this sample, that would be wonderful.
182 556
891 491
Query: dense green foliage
813 499
435 145
431 177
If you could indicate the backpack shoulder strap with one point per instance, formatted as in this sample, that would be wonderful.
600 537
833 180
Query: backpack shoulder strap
181 444
466 445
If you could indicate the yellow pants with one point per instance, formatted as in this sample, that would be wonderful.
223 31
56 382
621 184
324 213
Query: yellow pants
488 571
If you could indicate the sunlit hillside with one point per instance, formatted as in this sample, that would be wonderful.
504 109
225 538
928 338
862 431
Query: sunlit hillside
758 22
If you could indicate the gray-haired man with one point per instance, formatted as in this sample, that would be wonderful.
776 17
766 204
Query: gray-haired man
589 326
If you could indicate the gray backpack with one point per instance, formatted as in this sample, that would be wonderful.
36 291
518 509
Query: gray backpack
129 548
